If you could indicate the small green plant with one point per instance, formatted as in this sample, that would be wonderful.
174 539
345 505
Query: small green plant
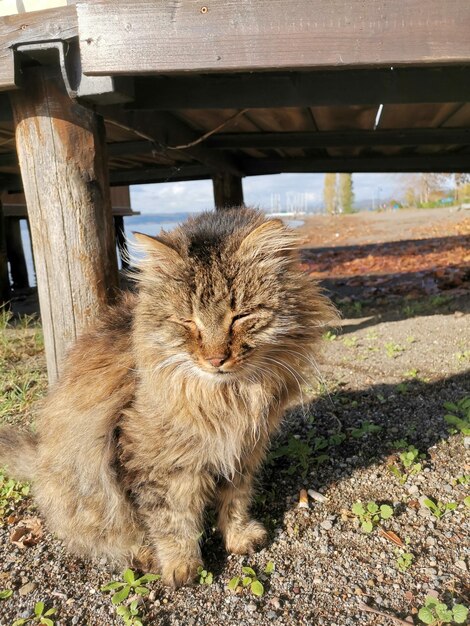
305 453
11 491
437 613
130 614
459 419
205 577
5 593
439 509
466 502
404 560
370 515
408 460
393 350
412 373
41 616
128 584
462 480
365 428
463 356
350 342
251 580
330 336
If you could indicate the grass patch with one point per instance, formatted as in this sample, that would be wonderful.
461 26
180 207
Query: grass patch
23 378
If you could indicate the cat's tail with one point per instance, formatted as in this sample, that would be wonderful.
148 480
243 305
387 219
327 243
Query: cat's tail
18 453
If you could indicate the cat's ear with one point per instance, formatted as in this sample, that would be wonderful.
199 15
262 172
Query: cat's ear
272 238
158 255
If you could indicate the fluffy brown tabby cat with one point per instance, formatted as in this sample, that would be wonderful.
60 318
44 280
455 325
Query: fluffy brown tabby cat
168 403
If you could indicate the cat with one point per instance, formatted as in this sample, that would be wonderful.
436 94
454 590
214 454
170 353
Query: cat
167 404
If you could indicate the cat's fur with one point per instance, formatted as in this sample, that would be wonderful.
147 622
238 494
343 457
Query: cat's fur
142 432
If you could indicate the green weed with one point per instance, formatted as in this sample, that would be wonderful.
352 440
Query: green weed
250 580
404 560
205 577
370 515
439 509
40 616
459 419
366 428
5 593
11 492
393 350
128 584
437 613
408 461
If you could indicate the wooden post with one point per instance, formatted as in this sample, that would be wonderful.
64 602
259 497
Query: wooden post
15 251
61 151
228 190
4 280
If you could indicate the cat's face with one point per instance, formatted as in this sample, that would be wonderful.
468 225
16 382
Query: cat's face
223 300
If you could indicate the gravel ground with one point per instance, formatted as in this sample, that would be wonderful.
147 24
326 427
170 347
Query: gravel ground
386 378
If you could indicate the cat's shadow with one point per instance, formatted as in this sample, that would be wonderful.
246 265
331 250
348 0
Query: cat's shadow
413 413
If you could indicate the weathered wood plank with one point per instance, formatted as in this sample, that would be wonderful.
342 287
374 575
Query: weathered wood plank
142 36
303 89
228 191
63 164
327 139
58 24
452 162
158 128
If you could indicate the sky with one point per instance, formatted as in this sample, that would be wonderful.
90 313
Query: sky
277 192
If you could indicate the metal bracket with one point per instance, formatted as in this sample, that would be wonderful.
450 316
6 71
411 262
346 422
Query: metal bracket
90 89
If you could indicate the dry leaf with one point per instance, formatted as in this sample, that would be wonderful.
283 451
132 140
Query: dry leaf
27 533
391 536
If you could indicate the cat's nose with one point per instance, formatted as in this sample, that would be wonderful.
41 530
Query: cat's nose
218 360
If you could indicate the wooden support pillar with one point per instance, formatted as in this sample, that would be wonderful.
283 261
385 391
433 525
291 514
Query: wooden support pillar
228 190
62 156
121 241
4 279
15 251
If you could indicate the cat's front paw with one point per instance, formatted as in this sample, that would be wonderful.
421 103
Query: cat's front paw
245 539
178 573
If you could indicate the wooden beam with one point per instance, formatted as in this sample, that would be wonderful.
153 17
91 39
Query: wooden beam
142 36
4 278
61 152
459 162
228 191
303 89
329 139
159 174
37 26
166 130
15 251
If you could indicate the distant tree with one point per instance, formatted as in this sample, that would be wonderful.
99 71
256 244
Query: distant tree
346 193
429 184
329 194
462 186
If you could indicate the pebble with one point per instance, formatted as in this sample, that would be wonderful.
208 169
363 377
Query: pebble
466 442
251 607
271 615
326 524
430 571
413 489
461 565
28 588
275 603
76 619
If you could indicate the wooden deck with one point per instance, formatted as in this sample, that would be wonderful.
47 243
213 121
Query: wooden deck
223 90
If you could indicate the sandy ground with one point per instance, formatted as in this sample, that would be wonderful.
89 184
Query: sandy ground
387 373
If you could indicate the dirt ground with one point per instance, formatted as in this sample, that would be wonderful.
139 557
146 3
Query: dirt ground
388 373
